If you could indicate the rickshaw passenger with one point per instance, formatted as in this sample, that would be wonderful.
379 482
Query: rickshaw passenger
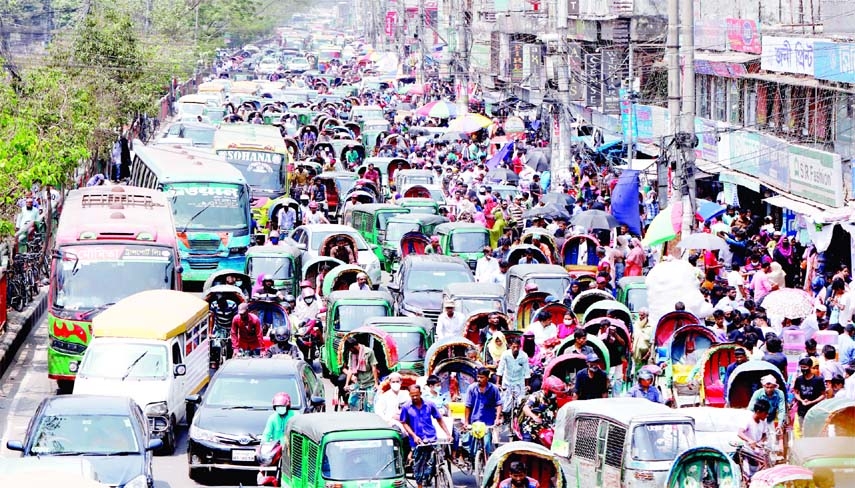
343 251
287 218
518 478
645 388
361 283
307 306
740 357
580 346
592 382
434 395
388 404
540 408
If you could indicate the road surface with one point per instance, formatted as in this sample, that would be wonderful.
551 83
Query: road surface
26 384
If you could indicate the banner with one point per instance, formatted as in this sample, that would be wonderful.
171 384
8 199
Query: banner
743 36
391 23
625 201
788 54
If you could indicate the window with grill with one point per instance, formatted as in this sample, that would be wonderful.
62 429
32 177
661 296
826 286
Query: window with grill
296 456
614 445
585 444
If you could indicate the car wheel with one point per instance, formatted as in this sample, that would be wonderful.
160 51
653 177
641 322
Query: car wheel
199 475
169 440
65 386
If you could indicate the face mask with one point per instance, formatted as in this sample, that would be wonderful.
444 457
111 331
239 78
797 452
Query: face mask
396 387
309 300
281 410
806 371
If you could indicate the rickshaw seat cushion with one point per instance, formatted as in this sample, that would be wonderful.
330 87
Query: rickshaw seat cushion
714 394
680 373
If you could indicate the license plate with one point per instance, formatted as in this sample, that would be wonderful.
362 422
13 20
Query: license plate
243 455
369 484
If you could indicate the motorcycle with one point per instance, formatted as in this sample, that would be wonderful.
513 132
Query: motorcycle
268 455
310 338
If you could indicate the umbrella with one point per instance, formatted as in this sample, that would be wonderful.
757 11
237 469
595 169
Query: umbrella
790 303
537 160
595 219
720 227
560 199
502 174
439 109
702 241
469 123
664 226
548 211
452 136
708 210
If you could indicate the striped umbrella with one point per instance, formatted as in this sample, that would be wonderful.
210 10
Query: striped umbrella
469 123
439 109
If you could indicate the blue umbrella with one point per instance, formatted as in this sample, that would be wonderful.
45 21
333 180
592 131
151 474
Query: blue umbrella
708 210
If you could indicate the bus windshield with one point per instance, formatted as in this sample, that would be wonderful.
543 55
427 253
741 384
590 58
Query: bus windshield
126 361
208 206
83 272
262 170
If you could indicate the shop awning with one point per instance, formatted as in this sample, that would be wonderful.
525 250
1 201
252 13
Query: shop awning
788 203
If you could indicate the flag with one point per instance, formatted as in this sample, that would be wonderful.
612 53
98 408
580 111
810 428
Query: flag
502 154
625 201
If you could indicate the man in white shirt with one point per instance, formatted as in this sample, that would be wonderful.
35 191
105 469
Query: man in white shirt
735 279
388 404
499 276
731 300
450 323
486 267
361 283
513 374
542 328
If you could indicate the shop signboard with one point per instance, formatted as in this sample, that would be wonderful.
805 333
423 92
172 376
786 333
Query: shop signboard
611 69
707 139
743 36
834 61
788 54
816 175
517 61
593 83
576 72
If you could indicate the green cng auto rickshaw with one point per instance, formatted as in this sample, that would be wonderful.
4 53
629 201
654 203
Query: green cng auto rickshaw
412 335
280 261
371 220
464 240
342 450
475 297
346 311
632 292
401 224
420 205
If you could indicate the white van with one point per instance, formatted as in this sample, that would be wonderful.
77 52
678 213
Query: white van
154 348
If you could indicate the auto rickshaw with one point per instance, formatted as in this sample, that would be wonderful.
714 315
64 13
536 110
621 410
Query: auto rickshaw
545 238
312 268
834 417
412 243
549 278
362 196
416 191
611 308
665 328
329 243
632 292
579 254
371 220
448 359
280 261
783 476
715 361
518 252
336 185
346 312
399 225
382 166
270 210
473 297
718 427
342 447
704 466
464 240
745 380
531 302
241 280
381 342
681 363
220 320
833 455
413 336
540 463
340 278
587 298
427 206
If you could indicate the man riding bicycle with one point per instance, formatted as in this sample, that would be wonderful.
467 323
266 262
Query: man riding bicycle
483 404
27 220
361 376
246 332
513 374
417 420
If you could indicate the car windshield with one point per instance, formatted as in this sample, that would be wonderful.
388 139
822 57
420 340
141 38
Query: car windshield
81 272
278 267
636 299
661 442
410 345
208 206
470 242
468 306
417 180
202 137
554 285
350 317
426 209
245 391
383 217
262 170
318 239
125 361
435 280
372 459
188 108
70 434
396 230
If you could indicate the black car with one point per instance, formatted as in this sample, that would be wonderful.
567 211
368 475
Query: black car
111 433
228 424
418 285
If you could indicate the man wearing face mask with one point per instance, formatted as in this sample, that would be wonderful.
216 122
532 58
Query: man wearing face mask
275 428
307 305
592 382
388 404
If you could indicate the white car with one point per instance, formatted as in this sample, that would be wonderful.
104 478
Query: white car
298 65
310 237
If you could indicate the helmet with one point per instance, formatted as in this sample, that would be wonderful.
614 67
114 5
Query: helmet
266 277
281 334
290 299
479 430
306 284
313 205
281 399
645 375
550 299
545 436
530 287
554 384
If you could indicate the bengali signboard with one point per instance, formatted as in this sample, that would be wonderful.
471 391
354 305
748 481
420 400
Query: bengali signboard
787 54
743 36
517 61
391 22
834 61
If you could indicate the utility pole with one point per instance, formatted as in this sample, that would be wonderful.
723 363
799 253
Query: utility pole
420 30
147 23
463 40
687 141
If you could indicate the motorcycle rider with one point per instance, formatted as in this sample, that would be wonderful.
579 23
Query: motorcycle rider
274 430
281 337
307 305
246 332
645 388
268 288
540 408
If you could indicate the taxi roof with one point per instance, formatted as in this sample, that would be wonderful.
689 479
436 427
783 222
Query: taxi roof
152 314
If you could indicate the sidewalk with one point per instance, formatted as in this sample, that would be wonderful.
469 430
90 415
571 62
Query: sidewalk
18 327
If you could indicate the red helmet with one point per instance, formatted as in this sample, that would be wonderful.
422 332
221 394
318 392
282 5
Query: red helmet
553 384
313 205
529 287
281 399
306 284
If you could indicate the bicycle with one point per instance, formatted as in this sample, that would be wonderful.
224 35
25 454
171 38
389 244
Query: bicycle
439 464
477 459
751 462
362 403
